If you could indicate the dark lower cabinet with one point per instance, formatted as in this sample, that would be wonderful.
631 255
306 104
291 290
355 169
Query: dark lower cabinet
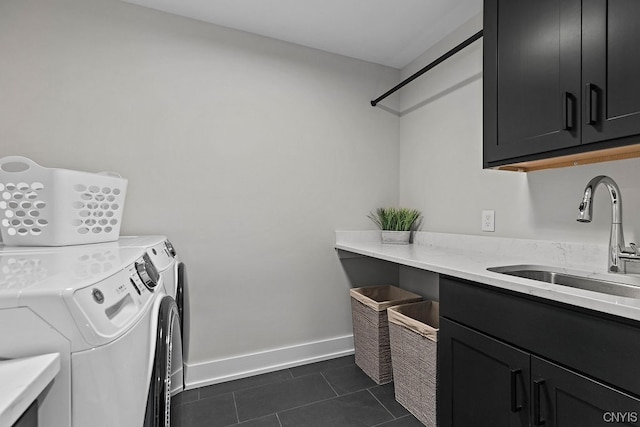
483 382
562 398
506 360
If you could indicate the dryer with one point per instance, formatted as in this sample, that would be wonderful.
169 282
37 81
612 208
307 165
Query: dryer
102 307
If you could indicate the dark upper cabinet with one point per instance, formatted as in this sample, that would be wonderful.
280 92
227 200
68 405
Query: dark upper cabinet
610 69
559 75
533 74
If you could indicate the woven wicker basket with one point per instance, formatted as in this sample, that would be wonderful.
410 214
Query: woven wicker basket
371 330
413 331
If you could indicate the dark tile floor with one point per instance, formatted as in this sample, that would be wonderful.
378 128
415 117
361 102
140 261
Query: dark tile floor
334 393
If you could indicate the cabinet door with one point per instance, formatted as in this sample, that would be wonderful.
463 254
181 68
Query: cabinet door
532 77
611 69
562 398
482 381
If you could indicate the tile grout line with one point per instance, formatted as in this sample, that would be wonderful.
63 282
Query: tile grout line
275 413
382 404
305 404
278 418
291 377
317 401
290 374
235 405
249 387
199 392
329 384
385 422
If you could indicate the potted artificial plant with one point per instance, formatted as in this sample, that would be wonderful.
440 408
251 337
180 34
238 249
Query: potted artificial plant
396 223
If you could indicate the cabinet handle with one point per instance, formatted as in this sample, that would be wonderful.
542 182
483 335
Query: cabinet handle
514 390
591 97
567 111
537 420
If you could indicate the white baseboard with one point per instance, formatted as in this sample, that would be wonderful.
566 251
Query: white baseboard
233 368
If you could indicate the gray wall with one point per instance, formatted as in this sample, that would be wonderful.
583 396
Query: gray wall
441 163
247 152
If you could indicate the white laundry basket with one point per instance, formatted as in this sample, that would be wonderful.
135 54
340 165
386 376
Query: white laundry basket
55 207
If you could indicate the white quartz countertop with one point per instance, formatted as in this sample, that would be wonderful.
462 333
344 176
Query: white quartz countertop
22 382
468 257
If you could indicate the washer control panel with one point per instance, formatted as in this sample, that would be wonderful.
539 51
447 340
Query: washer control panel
147 272
98 296
169 248
107 308
162 254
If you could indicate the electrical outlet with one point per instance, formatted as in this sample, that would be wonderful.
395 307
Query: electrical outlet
488 221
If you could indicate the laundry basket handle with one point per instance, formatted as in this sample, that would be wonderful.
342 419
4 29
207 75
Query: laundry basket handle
15 164
109 173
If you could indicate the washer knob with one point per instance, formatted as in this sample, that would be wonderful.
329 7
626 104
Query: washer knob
147 272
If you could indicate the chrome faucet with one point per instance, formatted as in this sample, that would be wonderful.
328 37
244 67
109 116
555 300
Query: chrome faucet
619 254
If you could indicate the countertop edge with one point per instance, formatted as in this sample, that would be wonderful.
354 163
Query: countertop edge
22 382
473 266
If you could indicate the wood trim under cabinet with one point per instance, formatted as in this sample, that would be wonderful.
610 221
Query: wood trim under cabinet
606 155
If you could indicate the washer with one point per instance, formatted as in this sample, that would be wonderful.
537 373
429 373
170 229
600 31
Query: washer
104 308
174 278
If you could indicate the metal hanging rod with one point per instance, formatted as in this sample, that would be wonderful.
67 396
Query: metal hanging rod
443 58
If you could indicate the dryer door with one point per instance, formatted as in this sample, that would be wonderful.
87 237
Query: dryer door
181 284
183 301
167 377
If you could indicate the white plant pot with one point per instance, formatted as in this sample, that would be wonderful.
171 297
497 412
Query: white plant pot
395 237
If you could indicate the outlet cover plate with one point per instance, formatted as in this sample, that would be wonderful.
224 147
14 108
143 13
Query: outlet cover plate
488 220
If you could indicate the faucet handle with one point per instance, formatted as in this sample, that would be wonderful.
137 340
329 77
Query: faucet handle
631 249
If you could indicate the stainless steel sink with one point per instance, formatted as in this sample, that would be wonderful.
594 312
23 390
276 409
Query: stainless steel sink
612 284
